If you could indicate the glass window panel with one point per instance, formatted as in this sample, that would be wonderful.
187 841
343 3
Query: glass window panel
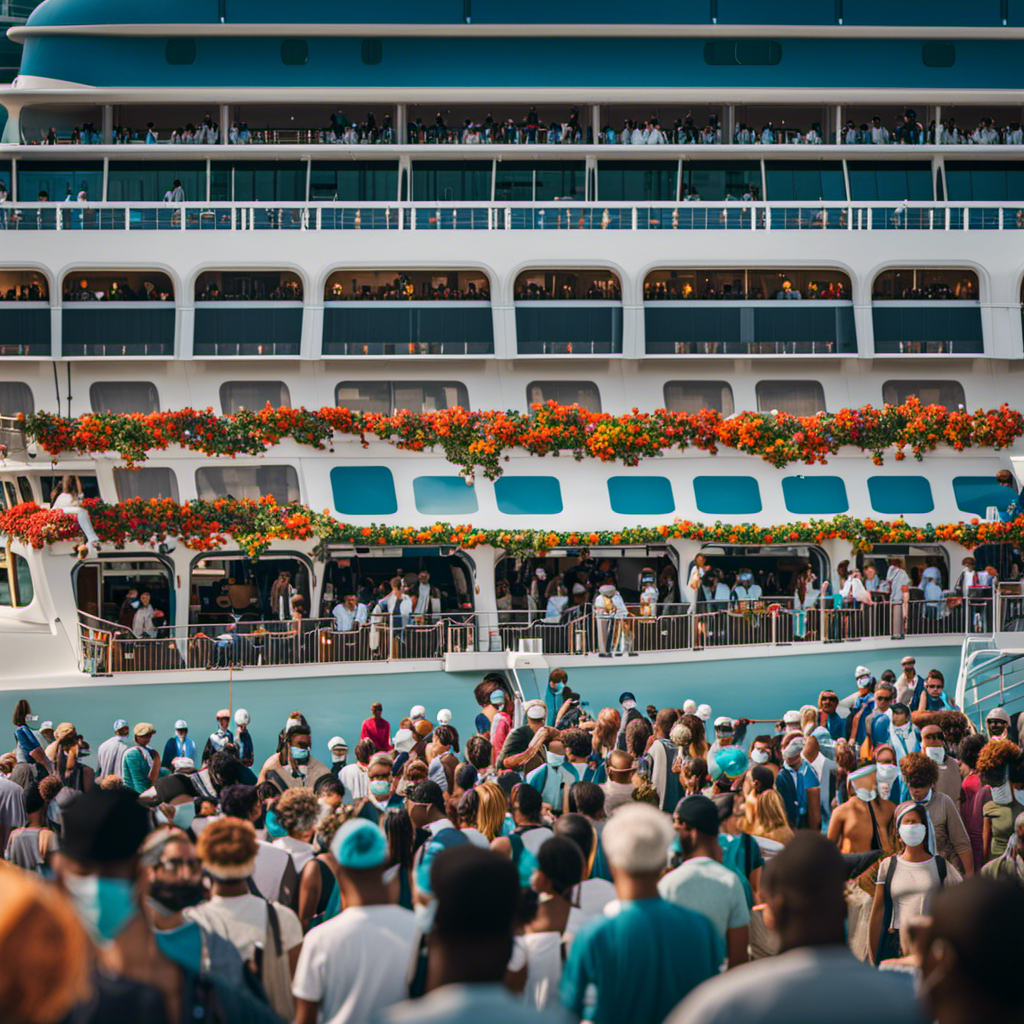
253 394
149 180
949 393
124 396
387 396
448 181
364 490
90 486
362 180
443 495
220 182
60 179
797 397
975 494
727 495
251 482
258 181
513 181
900 495
15 397
993 181
633 180
889 181
641 495
23 582
146 483
584 393
695 395
815 495
714 181
364 395
528 495
801 179
561 180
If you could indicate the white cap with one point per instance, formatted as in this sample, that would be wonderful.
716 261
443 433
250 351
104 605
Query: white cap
704 712
725 721
46 725
180 764
998 715
418 711
336 741
791 717
241 717
637 838
444 716
181 724
405 740
861 671
538 710
689 707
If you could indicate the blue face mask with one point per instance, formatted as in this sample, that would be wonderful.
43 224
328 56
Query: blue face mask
105 905
182 945
300 753
380 787
555 760
184 815
274 827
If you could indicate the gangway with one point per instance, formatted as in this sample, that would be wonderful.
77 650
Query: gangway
991 675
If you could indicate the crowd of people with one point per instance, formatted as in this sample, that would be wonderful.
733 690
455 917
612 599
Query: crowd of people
672 291
118 291
403 289
640 866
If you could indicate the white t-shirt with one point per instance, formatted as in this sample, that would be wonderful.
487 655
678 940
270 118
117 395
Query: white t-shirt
912 883
355 781
543 968
704 885
476 837
355 965
242 920
271 864
301 853
589 899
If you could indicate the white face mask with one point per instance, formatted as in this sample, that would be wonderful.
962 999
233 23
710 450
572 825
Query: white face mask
629 704
867 795
913 834
1003 794
937 754
886 773
759 756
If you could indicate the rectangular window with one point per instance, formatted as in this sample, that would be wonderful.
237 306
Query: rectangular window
695 395
560 180
890 180
48 484
900 495
976 494
60 179
985 180
16 590
360 180
266 181
727 495
528 495
804 179
444 495
252 394
631 180
123 396
949 393
451 181
364 491
714 181
565 392
641 495
146 483
148 180
387 396
513 181
797 397
15 397
815 495
251 482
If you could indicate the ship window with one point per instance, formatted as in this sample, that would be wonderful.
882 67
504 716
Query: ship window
815 495
746 52
364 490
372 51
181 51
900 495
727 495
147 483
870 179
253 394
802 179
564 392
451 181
90 486
365 180
938 54
386 396
440 495
986 180
797 397
15 397
528 495
18 573
124 396
694 395
714 181
294 51
248 482
949 393
975 494
641 495
632 180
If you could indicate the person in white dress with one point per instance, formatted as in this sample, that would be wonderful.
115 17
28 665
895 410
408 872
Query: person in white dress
67 496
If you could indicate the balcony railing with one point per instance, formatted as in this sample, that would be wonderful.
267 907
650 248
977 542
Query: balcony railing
106 648
495 216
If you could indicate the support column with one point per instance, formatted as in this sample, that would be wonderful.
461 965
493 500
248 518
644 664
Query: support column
730 124
401 123
839 123
108 123
484 597
595 121
225 123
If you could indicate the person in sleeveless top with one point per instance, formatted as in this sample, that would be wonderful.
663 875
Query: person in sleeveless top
30 846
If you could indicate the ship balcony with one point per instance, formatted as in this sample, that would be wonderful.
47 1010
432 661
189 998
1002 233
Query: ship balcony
25 329
398 328
586 327
767 327
248 312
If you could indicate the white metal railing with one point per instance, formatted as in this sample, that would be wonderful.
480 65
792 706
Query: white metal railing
107 648
726 215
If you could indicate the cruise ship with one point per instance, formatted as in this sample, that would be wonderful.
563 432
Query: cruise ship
257 261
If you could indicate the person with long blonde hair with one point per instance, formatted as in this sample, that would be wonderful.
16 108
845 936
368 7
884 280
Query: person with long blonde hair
698 737
770 827
491 810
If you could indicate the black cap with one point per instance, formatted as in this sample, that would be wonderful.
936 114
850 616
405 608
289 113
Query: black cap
104 826
698 812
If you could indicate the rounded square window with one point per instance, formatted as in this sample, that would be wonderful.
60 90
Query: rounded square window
372 51
294 51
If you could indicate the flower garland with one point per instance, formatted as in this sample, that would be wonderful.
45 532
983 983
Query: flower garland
472 440
252 525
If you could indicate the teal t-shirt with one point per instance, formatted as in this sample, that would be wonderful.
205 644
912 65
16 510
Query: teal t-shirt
643 960
742 855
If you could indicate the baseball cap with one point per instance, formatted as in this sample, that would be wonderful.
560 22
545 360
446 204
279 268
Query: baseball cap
181 724
336 741
418 711
405 740
704 712
119 724
732 761
698 812
359 845
578 588
626 696
908 660
182 764
861 671
444 716
791 718
723 722
998 715
537 711
48 727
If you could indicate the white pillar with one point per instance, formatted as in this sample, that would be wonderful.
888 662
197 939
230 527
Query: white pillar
730 124
484 597
401 123
108 123
595 120
225 123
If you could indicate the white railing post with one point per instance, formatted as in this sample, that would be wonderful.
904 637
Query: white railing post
401 218
947 217
127 219
182 225
967 219
999 213
508 218
319 218
437 217
870 211
634 218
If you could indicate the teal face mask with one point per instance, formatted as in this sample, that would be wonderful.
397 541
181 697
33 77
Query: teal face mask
182 945
184 814
380 787
274 827
300 753
105 905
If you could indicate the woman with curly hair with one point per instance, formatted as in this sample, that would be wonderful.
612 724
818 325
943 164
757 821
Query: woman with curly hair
698 737
1001 768
297 811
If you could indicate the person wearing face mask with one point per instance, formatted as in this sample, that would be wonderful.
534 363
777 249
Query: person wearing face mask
553 779
629 713
906 882
382 798
761 752
862 705
243 738
933 744
798 785
863 823
1001 768
111 752
890 785
1010 866
819 753
174 882
903 734
921 775
180 744
523 749
173 798
424 803
338 750
293 766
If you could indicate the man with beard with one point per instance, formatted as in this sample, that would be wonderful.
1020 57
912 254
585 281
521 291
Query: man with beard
864 822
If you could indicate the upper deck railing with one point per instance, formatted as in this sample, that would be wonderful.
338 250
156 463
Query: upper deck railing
728 215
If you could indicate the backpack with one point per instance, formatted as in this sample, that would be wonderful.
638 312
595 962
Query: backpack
275 973
940 867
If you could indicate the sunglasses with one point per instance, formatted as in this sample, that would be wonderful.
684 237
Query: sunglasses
177 863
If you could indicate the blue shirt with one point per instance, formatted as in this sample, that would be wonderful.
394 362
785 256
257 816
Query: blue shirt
804 779
835 725
869 700
642 959
482 723
443 835
26 740
880 729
